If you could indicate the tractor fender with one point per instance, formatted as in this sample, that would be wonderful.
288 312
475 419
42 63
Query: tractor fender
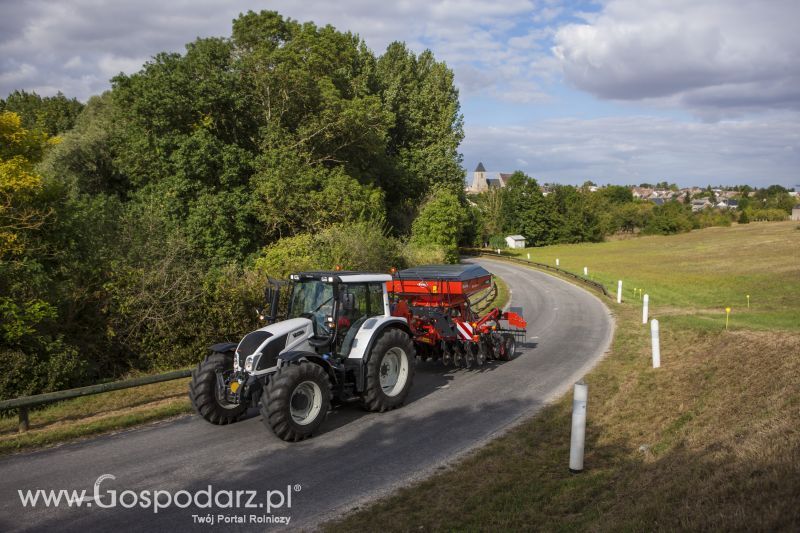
223 347
299 355
370 331
365 339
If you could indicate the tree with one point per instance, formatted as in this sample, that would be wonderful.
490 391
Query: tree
616 194
672 217
20 149
525 210
440 222
51 115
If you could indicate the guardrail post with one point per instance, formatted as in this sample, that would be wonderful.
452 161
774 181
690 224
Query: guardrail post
656 345
24 423
578 436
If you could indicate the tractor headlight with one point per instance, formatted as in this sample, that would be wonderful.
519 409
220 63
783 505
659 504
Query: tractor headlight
248 363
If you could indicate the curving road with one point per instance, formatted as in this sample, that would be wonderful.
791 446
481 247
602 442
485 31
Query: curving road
357 457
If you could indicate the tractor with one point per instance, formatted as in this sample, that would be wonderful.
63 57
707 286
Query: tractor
339 341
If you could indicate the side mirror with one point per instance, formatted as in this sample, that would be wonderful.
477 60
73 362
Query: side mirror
348 301
272 297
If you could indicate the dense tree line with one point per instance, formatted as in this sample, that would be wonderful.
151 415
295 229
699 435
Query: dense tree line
568 214
139 228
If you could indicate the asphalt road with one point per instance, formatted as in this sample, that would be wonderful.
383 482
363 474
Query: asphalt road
357 456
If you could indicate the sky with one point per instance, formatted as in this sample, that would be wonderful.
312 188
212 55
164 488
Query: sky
694 92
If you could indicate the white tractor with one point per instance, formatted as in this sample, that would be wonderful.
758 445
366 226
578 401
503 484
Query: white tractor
339 340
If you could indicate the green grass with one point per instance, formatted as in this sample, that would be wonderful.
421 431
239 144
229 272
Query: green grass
92 415
710 441
701 272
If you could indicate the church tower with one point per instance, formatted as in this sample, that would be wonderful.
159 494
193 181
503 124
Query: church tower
479 183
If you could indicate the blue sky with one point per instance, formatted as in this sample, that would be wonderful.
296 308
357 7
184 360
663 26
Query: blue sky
620 91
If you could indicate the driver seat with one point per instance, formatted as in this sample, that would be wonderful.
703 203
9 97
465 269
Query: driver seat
320 342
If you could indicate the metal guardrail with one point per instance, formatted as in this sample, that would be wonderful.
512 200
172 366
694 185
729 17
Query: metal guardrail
482 303
23 403
596 285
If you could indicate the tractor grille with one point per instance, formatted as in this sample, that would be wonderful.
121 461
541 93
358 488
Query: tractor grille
249 344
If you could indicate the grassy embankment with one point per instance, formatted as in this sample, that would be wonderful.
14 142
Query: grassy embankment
113 411
709 441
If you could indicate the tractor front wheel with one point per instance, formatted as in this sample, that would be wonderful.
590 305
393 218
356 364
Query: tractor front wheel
207 390
296 400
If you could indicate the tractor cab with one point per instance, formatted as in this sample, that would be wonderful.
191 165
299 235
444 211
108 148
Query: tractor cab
337 303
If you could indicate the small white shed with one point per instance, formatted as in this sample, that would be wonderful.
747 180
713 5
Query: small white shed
515 241
795 214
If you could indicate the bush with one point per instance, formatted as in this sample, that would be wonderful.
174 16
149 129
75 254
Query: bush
768 215
743 218
362 245
712 217
667 219
416 254
497 241
358 246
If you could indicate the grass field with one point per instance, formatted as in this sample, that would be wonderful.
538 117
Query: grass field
710 441
700 273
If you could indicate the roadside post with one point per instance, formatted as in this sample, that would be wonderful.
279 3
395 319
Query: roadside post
748 301
645 308
655 343
557 261
619 291
585 271
727 316
578 436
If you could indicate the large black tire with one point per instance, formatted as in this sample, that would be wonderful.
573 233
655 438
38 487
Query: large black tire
205 396
393 353
508 347
296 400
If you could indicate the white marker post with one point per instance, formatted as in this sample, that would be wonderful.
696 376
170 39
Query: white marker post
529 256
656 345
645 308
585 271
557 262
619 291
578 437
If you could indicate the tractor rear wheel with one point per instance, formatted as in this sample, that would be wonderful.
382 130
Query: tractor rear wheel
296 400
207 390
390 371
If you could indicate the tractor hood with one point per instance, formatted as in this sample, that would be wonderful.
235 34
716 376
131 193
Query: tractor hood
266 343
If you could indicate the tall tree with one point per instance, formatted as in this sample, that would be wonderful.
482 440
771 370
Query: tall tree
525 210
52 115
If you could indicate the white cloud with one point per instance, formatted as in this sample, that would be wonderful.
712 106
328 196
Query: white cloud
714 57
107 36
641 148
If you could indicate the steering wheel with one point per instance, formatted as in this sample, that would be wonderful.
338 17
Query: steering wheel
324 330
